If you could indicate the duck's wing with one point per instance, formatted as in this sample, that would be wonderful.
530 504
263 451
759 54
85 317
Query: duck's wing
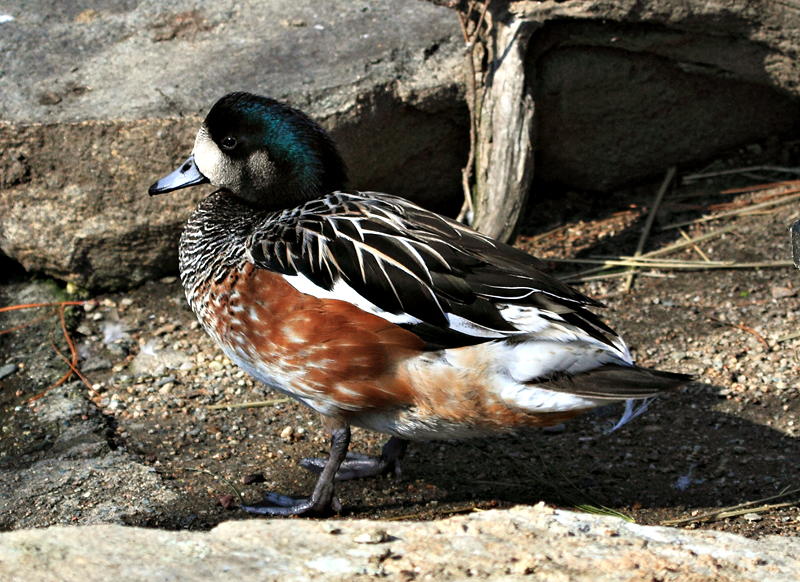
440 279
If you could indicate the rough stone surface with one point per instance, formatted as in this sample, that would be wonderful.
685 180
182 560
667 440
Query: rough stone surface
625 89
522 543
81 458
99 100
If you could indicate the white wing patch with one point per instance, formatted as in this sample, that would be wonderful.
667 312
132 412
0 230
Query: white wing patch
344 292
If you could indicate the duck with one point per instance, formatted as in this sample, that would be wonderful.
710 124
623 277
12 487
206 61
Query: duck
375 312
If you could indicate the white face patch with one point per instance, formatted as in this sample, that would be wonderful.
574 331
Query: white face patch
213 164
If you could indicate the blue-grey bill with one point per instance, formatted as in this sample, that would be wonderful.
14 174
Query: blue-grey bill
186 175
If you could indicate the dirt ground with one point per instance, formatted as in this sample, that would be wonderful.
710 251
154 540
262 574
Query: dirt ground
728 438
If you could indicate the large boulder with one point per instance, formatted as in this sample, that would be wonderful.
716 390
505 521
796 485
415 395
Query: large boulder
625 89
96 104
523 543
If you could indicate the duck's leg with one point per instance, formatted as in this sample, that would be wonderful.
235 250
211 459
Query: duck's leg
322 501
357 466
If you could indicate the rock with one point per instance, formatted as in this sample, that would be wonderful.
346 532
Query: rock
7 370
626 89
152 362
621 90
490 545
77 477
779 292
384 78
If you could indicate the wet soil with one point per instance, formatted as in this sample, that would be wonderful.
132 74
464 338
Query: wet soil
728 438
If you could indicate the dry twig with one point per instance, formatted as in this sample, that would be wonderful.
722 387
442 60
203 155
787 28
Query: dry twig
470 40
256 404
73 363
749 330
693 177
784 199
649 222
735 510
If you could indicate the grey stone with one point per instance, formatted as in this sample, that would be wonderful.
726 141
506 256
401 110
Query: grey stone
522 543
626 89
7 370
153 362
97 103
78 476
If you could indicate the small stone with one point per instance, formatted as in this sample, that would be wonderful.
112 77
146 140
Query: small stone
95 363
557 429
165 329
783 292
7 370
166 388
227 502
287 433
253 479
378 536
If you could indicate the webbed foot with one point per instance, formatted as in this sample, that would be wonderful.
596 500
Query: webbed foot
322 501
358 466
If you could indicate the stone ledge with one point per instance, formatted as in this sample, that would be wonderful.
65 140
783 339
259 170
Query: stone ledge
522 543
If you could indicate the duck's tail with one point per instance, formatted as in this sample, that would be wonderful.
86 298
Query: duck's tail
614 382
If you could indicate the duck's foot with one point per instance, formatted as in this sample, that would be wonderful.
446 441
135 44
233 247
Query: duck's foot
358 466
322 501
277 504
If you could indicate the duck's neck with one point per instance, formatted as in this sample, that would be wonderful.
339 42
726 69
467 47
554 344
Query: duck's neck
213 242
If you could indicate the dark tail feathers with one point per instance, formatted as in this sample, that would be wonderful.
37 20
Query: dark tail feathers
615 382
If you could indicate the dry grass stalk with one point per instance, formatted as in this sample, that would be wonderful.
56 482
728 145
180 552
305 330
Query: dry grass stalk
647 262
736 510
651 216
744 328
663 251
256 404
693 177
784 199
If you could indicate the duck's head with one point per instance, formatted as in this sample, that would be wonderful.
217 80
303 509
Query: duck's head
261 151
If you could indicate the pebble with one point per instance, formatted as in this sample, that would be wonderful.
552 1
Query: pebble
557 429
253 479
378 536
7 370
287 433
783 292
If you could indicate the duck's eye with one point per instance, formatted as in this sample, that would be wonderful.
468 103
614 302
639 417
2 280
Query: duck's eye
228 143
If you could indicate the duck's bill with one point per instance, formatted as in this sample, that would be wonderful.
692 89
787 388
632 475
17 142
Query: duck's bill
185 176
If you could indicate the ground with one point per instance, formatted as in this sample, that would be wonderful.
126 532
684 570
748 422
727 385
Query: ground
153 452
